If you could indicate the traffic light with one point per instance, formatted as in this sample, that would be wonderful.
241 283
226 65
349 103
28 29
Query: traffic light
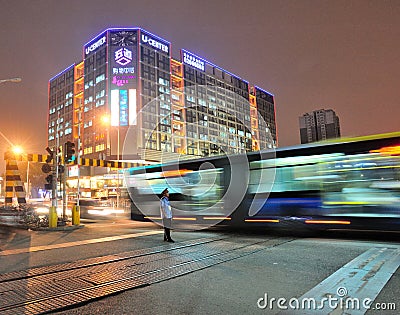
69 152
61 169
49 180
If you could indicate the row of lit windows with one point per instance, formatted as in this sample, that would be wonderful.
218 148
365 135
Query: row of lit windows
88 150
52 110
100 147
100 102
100 93
100 78
88 84
61 133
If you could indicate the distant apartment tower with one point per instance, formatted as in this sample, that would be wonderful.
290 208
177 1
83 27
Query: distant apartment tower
319 125
161 104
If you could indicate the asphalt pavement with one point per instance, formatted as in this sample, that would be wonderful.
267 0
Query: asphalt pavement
212 272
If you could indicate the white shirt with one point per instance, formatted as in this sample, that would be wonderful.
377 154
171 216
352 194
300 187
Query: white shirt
165 208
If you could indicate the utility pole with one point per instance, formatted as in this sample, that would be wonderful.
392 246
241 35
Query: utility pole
64 176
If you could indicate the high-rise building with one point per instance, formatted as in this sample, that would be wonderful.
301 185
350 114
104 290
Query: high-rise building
319 125
129 98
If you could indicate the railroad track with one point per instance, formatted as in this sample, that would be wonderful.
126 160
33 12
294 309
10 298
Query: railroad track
46 289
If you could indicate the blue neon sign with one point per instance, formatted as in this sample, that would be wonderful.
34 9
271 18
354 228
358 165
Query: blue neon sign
154 42
94 44
193 61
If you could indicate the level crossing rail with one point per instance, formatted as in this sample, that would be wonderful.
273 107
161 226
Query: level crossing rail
45 289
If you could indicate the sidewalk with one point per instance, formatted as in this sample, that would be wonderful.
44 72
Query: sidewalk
12 217
24 219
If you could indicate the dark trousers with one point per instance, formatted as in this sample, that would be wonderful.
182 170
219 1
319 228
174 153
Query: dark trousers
167 229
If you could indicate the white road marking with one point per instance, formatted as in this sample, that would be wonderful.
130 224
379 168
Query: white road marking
77 243
353 288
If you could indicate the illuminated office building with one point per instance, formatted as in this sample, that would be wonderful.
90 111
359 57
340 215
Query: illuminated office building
130 99
319 125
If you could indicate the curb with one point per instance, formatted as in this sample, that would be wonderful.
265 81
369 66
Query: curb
60 228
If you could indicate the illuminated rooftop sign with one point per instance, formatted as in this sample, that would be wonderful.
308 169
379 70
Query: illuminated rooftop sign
96 43
199 63
193 61
123 56
154 42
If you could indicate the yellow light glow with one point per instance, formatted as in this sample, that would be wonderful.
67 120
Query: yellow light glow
17 149
175 173
217 218
393 150
326 222
262 220
153 218
185 219
105 119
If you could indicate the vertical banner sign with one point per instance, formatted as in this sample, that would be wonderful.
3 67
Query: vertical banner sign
123 77
123 107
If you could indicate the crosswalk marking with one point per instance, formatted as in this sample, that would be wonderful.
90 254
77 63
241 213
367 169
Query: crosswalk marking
353 288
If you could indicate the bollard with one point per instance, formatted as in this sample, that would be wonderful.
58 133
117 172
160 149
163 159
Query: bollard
53 217
76 214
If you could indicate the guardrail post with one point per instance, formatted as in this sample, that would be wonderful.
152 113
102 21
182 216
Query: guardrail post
53 217
76 212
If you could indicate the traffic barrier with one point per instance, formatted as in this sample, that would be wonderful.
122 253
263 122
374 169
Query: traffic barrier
13 176
105 163
14 185
41 158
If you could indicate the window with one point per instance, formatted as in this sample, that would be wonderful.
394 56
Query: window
163 62
100 147
148 55
100 94
100 78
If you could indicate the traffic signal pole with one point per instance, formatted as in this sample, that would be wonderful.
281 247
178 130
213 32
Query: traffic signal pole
54 181
64 176
53 208
64 181
76 212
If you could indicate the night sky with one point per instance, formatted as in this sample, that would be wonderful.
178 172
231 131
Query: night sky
343 55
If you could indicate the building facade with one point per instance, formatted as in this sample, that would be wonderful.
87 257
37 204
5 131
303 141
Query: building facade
130 99
319 125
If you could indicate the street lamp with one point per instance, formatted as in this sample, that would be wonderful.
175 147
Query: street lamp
13 80
17 150
106 120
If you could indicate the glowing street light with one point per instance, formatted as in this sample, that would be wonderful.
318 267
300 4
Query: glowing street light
105 119
17 149
13 80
